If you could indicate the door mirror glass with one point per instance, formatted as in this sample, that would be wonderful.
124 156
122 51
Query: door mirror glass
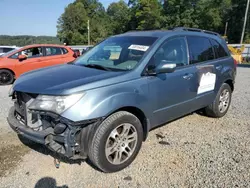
22 57
165 67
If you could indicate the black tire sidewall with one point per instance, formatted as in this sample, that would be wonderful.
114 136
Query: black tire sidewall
11 79
105 165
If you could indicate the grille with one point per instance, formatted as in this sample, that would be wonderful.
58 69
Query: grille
20 104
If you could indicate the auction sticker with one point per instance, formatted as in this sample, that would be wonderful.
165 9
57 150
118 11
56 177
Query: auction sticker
138 47
207 79
207 83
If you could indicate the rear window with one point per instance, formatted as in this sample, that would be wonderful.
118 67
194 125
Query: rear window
200 49
53 51
218 49
64 50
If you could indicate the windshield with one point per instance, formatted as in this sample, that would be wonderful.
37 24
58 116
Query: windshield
10 52
117 53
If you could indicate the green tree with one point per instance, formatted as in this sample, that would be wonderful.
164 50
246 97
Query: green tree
212 14
119 16
178 13
146 14
23 40
236 20
150 14
72 25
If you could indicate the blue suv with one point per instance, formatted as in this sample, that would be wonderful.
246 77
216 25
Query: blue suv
102 105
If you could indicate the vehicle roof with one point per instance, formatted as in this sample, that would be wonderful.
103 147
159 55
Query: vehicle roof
50 45
150 33
163 33
8 46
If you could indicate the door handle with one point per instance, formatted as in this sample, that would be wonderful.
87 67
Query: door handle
219 67
188 76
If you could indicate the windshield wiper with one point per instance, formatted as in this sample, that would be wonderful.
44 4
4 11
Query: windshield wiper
97 67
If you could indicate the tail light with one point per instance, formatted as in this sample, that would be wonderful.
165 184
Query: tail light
75 55
235 62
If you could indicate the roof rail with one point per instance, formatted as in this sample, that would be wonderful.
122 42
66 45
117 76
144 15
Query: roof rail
195 30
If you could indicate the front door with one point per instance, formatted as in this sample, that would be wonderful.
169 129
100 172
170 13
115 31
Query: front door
172 94
34 60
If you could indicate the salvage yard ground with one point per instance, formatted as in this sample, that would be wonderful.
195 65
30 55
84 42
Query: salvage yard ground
194 151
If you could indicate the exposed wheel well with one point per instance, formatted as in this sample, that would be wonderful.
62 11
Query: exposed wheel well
230 83
140 115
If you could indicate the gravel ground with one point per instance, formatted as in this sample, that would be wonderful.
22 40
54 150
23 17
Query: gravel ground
194 151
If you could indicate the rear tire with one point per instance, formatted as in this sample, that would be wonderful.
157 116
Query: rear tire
6 77
116 142
221 103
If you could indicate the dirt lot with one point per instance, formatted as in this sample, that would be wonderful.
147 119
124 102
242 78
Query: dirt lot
194 151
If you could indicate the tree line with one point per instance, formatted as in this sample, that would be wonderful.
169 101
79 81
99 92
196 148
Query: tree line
121 17
24 40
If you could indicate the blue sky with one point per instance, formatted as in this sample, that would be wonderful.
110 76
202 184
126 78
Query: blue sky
33 17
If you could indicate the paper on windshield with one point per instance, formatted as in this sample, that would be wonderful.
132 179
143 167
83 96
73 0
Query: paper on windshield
138 47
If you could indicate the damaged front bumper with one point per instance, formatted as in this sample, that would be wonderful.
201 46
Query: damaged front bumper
70 139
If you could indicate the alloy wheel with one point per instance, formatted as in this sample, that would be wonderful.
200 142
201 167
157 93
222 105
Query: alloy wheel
121 143
224 100
5 77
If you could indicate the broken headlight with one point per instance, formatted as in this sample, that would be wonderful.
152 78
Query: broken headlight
56 104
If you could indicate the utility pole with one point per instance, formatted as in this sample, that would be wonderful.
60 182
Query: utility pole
88 34
245 21
225 33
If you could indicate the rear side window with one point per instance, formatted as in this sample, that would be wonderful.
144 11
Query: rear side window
218 49
53 51
64 50
200 49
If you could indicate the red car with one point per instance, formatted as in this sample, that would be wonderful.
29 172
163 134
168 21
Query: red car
19 61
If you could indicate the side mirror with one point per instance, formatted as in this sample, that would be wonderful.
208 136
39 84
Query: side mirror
165 67
22 57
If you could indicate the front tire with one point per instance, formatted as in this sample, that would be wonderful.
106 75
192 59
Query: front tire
116 142
221 103
6 77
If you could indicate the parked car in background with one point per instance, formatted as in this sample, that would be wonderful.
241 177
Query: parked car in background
86 49
5 49
16 62
103 105
77 52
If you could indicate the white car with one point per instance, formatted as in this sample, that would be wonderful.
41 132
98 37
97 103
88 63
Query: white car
5 49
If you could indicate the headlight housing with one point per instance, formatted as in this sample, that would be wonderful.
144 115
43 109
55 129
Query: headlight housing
56 104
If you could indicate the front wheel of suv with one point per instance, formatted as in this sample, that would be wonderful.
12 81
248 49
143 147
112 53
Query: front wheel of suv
221 103
116 142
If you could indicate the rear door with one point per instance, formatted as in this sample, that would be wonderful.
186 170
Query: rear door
223 63
55 56
203 58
